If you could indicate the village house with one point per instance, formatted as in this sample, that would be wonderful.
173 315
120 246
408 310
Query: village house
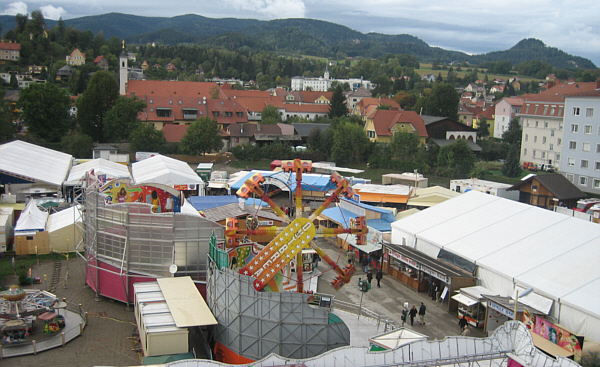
10 51
383 124
101 62
76 58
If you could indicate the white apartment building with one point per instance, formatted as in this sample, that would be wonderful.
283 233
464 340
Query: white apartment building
581 148
542 122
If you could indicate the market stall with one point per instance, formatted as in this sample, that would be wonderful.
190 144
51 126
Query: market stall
472 305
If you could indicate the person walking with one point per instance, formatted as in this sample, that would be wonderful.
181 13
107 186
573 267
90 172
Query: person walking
465 331
378 277
404 316
462 322
351 255
365 264
422 310
412 313
369 276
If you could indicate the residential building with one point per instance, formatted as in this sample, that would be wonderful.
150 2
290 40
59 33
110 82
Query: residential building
76 58
356 96
367 106
324 83
447 129
258 134
383 124
10 51
581 136
548 191
506 109
101 62
542 122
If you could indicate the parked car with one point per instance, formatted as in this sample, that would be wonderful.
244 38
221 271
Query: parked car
529 166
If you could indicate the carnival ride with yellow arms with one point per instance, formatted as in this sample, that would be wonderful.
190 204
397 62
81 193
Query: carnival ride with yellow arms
299 234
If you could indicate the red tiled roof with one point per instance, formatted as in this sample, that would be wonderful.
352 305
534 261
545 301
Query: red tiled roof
173 133
224 107
514 101
165 88
10 46
312 96
98 59
231 93
550 103
384 121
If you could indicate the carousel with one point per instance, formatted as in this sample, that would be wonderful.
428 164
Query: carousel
27 312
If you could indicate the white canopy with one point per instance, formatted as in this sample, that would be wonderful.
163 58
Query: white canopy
101 166
34 163
61 227
515 244
164 170
32 219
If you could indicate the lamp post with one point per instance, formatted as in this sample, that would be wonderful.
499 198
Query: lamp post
526 292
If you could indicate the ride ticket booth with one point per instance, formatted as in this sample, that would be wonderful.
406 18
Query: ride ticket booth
472 305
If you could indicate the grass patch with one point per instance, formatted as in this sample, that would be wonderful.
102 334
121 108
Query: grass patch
24 262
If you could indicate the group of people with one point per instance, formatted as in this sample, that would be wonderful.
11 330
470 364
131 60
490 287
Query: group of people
365 262
414 313
378 276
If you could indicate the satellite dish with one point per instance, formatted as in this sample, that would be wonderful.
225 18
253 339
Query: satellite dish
173 269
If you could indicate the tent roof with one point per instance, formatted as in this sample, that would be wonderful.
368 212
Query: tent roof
34 163
100 166
531 245
208 202
164 170
430 196
31 219
63 218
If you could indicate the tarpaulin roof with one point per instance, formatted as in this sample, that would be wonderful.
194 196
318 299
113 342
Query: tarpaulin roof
208 202
31 219
63 218
100 166
33 163
556 254
164 170
287 180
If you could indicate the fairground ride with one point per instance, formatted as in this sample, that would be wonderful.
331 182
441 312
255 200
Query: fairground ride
299 234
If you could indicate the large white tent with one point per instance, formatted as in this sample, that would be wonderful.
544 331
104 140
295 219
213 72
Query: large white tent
515 244
100 166
167 171
30 234
32 163
62 230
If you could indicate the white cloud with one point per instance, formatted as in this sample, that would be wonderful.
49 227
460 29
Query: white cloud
272 8
51 12
16 8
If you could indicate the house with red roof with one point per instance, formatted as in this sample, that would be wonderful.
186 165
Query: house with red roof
10 51
506 109
101 62
383 124
367 105
75 58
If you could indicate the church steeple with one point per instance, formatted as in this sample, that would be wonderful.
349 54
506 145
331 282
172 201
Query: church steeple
123 72
326 75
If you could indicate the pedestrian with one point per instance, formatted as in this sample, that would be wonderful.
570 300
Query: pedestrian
422 309
365 264
462 322
465 331
351 255
434 291
378 277
369 276
316 259
404 316
287 210
412 313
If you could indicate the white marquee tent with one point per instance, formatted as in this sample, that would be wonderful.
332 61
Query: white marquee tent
167 171
100 166
515 244
62 229
33 163
31 220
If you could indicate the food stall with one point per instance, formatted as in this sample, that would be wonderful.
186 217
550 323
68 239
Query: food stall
472 305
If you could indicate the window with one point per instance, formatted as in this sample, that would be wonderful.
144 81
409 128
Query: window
545 109
525 151
526 137
586 147
535 139
229 114
571 162
597 148
150 102
163 112
587 129
557 157
582 181
552 133
596 183
543 155
558 141
537 123
371 134
240 114
575 111
543 140
216 113
584 163
572 145
597 166
574 128
170 101
180 102
551 146
570 177
589 112
546 124
552 110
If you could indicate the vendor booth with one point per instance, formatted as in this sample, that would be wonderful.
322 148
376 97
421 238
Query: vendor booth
425 274
394 339
472 305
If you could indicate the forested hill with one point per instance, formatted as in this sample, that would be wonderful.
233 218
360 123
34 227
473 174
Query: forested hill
296 37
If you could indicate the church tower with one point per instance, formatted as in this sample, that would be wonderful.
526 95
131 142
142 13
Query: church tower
326 75
123 72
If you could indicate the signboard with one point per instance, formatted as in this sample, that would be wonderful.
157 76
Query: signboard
185 187
280 251
554 333
503 310
416 265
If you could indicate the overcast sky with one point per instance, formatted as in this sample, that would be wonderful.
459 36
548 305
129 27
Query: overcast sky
470 26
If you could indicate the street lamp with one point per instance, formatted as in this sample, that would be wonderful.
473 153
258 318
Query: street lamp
526 292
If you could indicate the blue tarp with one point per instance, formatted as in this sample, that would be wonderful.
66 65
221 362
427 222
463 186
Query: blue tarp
310 181
256 202
207 202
